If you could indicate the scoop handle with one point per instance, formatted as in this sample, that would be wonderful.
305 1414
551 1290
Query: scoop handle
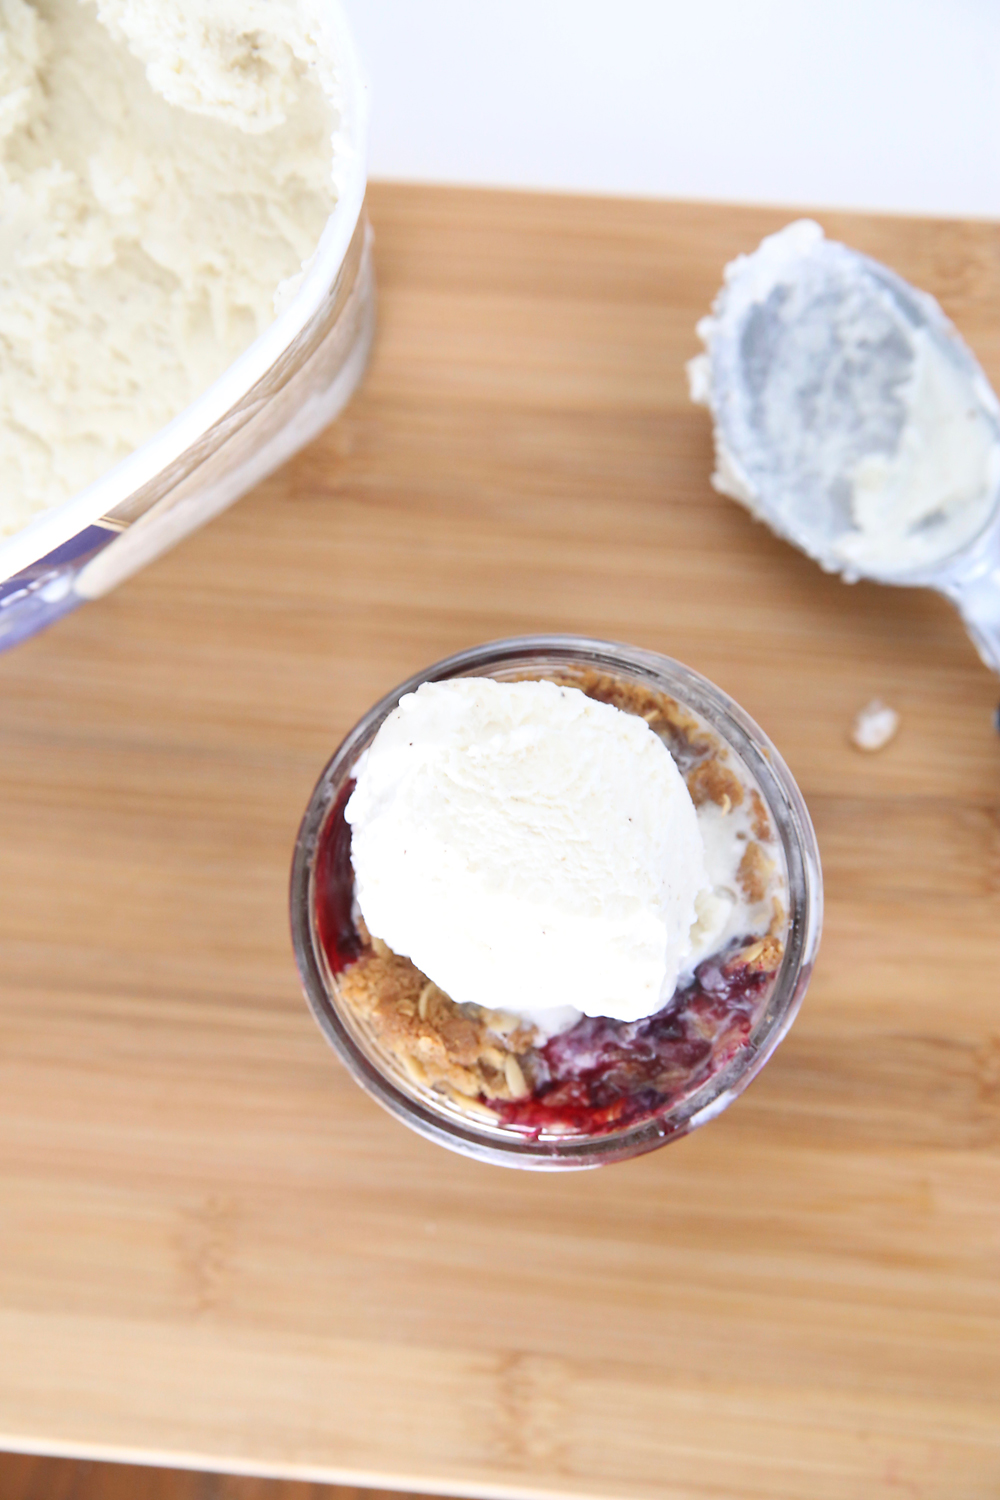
978 599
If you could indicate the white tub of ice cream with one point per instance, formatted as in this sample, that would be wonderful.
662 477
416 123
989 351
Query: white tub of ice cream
186 292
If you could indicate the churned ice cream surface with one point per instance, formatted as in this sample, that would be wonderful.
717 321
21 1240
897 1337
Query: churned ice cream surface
166 172
528 846
239 61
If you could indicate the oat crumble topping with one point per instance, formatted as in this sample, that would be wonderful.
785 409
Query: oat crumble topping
713 781
761 822
755 872
460 1049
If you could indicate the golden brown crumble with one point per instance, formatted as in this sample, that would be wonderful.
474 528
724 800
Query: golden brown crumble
440 1044
713 781
754 873
762 957
661 712
761 823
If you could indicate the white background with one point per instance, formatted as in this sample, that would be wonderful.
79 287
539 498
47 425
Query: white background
891 104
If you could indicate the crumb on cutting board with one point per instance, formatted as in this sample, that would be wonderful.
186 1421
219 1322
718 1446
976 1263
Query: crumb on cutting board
874 726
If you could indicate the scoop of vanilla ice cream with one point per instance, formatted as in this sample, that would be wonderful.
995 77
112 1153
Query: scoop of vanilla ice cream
528 848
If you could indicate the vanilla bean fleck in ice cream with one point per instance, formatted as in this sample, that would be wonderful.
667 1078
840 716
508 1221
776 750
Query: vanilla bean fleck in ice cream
166 170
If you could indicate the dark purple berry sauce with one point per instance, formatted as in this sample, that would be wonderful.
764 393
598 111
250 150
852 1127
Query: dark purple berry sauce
605 1074
334 887
601 1075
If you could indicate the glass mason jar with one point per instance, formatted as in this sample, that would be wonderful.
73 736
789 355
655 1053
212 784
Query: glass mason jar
321 869
278 395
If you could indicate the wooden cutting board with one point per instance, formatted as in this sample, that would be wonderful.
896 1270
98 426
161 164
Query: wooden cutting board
213 1248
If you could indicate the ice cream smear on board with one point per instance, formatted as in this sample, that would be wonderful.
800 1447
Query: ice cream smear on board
536 852
166 170
848 413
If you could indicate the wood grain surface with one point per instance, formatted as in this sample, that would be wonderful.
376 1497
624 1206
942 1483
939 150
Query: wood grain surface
29 1477
215 1250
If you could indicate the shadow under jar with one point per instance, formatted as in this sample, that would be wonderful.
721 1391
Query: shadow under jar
602 1090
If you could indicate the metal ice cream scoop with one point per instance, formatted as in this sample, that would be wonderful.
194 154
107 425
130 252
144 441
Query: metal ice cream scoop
852 418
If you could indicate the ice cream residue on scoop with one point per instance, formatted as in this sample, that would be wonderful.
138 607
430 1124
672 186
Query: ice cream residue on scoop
848 413
528 847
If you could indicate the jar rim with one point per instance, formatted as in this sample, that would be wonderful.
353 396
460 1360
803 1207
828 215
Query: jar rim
784 802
